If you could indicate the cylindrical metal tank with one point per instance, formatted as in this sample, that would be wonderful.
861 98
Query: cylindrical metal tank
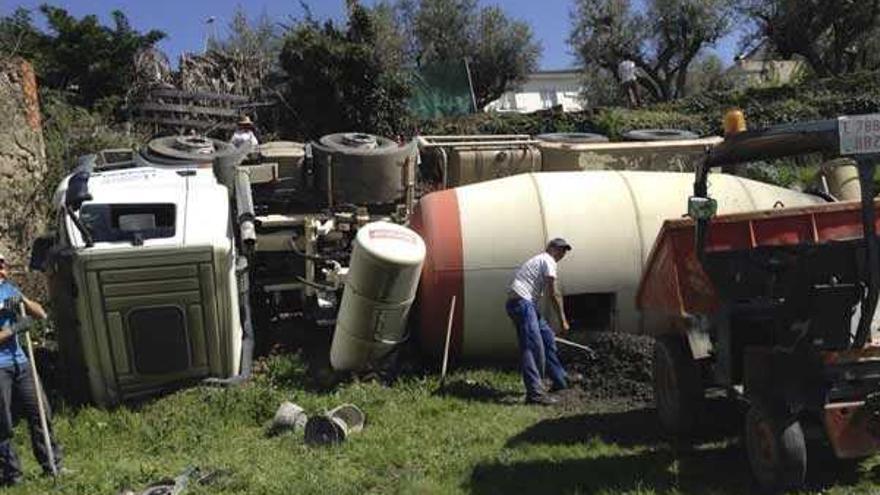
843 179
383 276
667 156
363 169
478 235
468 166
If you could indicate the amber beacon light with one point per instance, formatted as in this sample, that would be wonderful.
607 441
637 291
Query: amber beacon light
734 122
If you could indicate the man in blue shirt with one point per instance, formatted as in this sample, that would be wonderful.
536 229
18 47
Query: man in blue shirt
17 383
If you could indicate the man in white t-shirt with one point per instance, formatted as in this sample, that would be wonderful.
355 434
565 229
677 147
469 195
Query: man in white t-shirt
537 343
244 135
626 72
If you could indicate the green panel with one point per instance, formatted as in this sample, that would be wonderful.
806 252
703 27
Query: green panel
152 287
225 325
167 298
441 89
155 273
117 336
105 360
87 329
212 325
110 261
196 325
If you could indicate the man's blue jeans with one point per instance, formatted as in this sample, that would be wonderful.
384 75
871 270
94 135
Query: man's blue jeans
537 347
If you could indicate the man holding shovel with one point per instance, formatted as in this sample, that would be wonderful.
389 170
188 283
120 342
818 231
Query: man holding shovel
537 343
18 388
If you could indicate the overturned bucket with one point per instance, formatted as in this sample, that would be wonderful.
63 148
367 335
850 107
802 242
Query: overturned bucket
334 426
288 417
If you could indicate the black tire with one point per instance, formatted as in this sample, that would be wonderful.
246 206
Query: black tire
572 137
658 135
678 390
776 448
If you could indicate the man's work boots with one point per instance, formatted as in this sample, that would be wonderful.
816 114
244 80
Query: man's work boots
571 379
541 400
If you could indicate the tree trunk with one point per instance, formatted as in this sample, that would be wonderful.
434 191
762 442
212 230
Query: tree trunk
23 208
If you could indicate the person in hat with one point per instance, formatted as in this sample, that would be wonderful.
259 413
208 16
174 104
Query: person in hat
17 383
244 134
537 343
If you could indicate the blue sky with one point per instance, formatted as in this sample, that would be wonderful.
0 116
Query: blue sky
184 21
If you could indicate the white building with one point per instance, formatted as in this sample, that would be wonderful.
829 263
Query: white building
542 90
758 67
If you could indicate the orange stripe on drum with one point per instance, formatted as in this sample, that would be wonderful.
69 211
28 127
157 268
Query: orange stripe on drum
442 274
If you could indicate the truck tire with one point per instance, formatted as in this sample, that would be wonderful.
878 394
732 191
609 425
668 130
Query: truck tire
776 449
658 135
572 137
678 391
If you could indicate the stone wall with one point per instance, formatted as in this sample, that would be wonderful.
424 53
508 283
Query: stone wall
23 207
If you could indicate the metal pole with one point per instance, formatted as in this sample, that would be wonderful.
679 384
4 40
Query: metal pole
448 338
467 68
41 407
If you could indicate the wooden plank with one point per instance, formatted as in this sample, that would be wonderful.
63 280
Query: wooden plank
197 95
198 124
195 109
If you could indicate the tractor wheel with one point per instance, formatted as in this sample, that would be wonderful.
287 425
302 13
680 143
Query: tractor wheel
776 449
678 390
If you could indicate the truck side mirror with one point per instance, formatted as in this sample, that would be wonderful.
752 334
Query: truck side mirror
700 208
40 252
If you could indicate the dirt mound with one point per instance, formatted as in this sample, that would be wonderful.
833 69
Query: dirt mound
621 370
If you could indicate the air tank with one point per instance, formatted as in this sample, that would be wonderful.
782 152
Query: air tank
386 262
477 235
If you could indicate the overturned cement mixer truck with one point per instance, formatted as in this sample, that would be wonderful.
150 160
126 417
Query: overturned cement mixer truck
164 260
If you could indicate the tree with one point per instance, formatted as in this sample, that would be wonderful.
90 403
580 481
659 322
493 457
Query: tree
338 81
706 74
500 51
663 41
833 36
82 56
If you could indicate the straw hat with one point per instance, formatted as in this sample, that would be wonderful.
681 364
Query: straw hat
245 121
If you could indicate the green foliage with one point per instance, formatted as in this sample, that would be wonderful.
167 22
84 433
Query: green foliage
832 36
88 60
701 113
501 51
337 81
415 441
662 41
70 131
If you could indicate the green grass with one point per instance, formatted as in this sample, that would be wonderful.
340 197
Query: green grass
415 442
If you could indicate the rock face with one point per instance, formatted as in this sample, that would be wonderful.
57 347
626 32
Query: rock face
23 204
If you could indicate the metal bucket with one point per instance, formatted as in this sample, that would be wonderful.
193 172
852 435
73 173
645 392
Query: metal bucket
334 426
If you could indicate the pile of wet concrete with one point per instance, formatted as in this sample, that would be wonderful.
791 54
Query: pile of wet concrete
621 368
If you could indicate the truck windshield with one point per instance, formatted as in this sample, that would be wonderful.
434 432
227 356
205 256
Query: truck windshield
122 222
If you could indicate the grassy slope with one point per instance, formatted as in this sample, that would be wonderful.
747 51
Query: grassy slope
414 442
